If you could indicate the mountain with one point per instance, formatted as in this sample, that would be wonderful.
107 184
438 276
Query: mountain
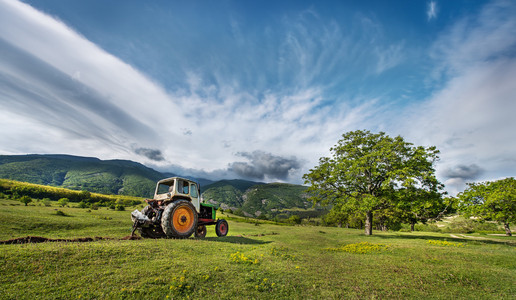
125 177
256 199
122 177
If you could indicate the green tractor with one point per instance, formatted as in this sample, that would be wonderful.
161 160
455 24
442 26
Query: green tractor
177 212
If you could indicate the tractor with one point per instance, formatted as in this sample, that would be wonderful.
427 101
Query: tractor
176 211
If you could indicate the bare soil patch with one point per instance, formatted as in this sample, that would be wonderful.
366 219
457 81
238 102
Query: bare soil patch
39 239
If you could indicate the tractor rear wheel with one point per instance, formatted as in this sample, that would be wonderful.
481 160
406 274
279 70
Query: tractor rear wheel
200 232
221 228
179 219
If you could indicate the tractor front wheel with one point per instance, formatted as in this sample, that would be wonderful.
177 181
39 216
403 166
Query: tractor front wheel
179 219
221 228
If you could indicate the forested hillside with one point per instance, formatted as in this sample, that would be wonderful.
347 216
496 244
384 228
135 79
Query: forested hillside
123 177
258 199
81 173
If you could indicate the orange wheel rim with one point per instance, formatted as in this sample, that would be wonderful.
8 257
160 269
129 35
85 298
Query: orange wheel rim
183 219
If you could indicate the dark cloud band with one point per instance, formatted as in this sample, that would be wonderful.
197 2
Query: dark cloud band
152 154
262 165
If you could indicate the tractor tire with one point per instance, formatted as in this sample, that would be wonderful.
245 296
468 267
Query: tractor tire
179 219
200 232
221 228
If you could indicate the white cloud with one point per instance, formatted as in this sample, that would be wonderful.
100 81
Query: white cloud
431 11
471 119
88 102
389 58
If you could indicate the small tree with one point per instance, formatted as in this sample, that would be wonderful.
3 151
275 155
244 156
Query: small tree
294 219
63 202
46 201
494 201
26 200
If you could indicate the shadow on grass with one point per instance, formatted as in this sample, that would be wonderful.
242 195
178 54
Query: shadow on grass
236 240
449 238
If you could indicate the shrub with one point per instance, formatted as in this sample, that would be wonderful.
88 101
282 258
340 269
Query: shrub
294 219
83 204
46 201
63 202
26 200
120 207
427 227
60 213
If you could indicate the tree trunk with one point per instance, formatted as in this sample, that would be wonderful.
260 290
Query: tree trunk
412 226
369 223
507 229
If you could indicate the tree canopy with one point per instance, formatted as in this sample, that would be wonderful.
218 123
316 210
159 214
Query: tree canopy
368 171
495 200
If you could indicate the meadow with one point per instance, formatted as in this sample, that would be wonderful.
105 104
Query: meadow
255 261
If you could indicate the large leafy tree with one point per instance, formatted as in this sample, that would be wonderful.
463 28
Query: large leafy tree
494 201
367 170
422 203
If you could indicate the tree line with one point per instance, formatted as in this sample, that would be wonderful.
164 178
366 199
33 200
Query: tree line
26 191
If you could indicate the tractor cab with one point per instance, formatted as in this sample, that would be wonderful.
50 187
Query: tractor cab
173 188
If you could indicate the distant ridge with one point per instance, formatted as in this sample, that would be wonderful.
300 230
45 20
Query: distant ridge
125 177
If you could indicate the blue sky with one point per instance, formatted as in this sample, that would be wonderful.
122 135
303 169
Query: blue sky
259 90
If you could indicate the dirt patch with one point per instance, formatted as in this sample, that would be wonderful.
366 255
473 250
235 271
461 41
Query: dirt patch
39 239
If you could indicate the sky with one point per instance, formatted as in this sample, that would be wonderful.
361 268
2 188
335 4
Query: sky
259 90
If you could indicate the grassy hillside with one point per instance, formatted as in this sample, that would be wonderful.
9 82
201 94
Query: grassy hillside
241 185
42 194
226 196
275 196
81 173
257 199
261 261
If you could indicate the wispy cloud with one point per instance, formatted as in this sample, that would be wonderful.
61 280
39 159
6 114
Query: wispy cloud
432 10
81 95
389 58
264 107
470 119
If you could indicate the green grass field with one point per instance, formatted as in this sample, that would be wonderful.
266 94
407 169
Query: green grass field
263 261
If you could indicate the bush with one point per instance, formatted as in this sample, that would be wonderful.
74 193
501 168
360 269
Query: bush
427 227
120 207
469 226
47 202
294 219
60 213
63 202
83 204
26 200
